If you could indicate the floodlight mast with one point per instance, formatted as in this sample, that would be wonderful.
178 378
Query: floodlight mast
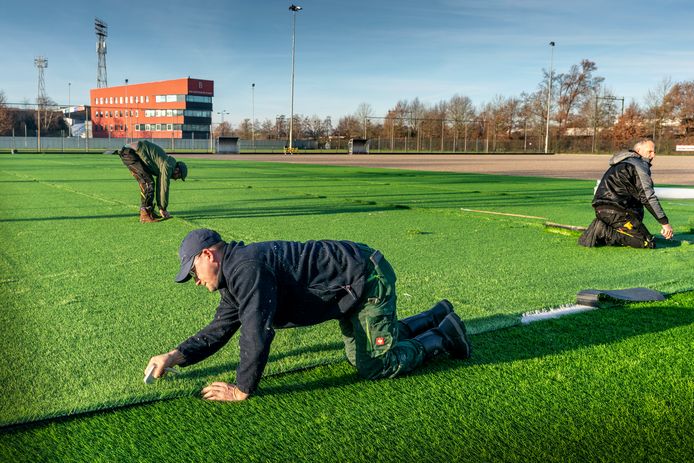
41 63
101 29
293 9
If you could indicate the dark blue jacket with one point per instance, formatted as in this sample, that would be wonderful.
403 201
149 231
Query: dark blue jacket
278 284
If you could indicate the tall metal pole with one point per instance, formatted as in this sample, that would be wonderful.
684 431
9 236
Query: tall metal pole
101 29
595 123
293 9
41 63
253 114
549 96
222 113
127 125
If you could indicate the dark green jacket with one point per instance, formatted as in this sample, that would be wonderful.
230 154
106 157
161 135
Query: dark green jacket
160 165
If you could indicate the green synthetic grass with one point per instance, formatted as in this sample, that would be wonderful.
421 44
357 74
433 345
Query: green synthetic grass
610 385
88 292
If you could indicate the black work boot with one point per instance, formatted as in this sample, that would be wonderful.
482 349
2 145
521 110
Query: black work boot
594 235
416 324
450 337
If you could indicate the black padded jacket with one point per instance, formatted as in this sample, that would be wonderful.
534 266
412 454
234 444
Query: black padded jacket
627 186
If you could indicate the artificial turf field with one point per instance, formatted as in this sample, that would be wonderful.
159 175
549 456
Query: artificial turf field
88 296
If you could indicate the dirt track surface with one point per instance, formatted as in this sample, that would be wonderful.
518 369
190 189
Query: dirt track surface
674 170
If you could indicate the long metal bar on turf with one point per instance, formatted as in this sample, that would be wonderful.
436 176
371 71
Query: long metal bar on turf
567 227
503 213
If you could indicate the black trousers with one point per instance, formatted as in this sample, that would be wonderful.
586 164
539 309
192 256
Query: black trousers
144 178
613 227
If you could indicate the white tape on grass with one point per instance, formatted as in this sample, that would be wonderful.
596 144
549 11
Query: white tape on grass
536 316
674 193
666 192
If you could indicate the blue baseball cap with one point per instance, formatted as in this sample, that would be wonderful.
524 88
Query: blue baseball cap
191 246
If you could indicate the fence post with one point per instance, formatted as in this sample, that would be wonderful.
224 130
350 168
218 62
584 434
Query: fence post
443 121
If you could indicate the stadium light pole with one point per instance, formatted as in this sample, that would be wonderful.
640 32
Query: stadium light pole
293 9
69 111
127 126
253 114
222 113
549 96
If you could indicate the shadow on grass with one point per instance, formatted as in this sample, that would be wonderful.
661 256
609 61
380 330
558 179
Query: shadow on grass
675 242
70 217
316 348
313 209
518 343
542 339
599 327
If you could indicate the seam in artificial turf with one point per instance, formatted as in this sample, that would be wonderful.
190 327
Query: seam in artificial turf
90 411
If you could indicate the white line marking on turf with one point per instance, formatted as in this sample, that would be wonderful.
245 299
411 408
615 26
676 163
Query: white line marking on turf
504 213
538 315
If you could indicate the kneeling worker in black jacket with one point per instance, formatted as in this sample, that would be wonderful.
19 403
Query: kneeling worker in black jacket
620 198
283 284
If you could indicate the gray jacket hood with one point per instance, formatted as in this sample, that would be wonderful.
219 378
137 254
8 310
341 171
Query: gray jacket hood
626 154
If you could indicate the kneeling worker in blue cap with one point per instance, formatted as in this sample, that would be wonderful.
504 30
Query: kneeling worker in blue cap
281 284
146 160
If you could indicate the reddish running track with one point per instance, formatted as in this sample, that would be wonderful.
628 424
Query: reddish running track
672 170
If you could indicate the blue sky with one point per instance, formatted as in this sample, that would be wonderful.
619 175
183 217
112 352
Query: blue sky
348 52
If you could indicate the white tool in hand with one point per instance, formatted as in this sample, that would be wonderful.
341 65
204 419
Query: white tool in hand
149 374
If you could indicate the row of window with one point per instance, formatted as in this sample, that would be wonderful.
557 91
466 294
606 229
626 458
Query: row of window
135 113
170 127
154 113
176 112
198 99
157 127
120 100
175 98
137 99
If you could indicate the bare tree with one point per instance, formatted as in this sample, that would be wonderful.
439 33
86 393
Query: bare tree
502 118
222 129
268 130
575 87
656 108
349 127
533 112
315 129
282 126
6 119
630 126
363 113
395 124
679 102
416 111
461 111
245 129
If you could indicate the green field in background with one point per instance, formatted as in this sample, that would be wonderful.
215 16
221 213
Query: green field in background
89 295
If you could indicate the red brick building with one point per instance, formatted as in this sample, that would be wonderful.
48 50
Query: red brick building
180 108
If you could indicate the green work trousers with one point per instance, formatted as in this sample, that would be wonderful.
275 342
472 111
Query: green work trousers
370 333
